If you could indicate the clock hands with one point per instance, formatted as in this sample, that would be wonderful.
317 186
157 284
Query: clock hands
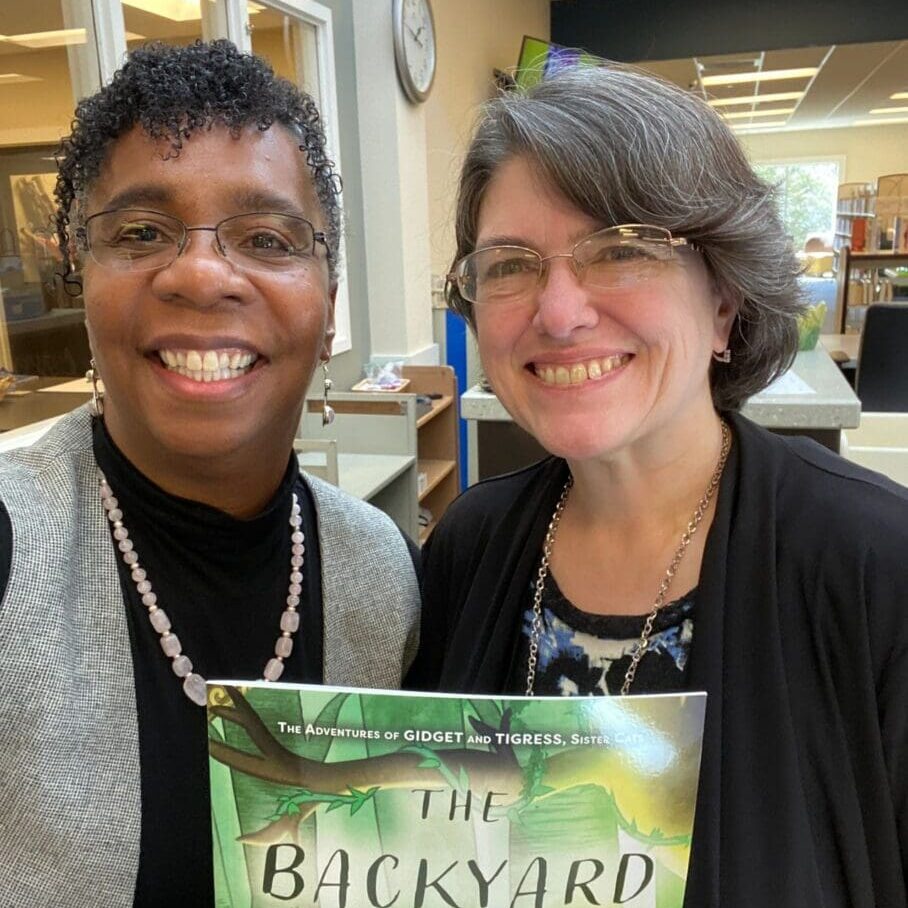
416 34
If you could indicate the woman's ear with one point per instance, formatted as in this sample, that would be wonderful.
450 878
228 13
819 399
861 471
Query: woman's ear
727 307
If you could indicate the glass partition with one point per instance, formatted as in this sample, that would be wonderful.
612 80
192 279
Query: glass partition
289 44
48 60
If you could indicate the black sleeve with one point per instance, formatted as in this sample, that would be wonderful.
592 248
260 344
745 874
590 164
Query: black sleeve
425 670
415 556
475 569
6 549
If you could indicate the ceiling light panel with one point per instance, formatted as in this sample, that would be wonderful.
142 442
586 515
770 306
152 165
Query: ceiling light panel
744 114
747 127
175 10
880 122
13 78
771 75
889 110
57 38
757 99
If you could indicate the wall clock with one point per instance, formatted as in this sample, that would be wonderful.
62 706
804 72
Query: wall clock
414 47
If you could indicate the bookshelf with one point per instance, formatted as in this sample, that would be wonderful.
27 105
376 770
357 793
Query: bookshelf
438 473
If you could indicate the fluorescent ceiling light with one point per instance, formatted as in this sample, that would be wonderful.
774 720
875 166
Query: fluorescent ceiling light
744 114
757 99
880 122
10 78
175 10
899 96
749 127
766 75
889 110
59 38
179 10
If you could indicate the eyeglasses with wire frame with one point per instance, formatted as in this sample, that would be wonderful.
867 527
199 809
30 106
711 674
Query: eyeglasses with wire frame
131 239
616 257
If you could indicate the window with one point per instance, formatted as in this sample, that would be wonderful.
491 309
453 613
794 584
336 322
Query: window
49 60
296 38
58 52
806 193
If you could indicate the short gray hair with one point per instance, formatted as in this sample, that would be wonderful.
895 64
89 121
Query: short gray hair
626 147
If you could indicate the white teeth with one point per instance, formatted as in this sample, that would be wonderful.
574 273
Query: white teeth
208 365
578 373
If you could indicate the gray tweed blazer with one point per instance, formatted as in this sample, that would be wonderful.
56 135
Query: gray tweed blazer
69 755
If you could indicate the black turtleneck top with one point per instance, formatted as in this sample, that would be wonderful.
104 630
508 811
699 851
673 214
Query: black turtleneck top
223 583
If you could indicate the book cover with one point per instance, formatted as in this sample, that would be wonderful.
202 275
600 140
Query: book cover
345 798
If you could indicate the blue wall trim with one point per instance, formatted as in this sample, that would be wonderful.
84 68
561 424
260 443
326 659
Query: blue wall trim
456 351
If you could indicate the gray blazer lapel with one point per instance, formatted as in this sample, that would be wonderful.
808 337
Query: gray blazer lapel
370 596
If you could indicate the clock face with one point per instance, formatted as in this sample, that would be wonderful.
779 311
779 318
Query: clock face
415 46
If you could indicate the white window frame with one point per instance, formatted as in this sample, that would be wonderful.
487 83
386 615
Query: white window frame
111 41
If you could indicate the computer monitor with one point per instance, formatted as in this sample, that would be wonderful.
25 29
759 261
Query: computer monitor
540 60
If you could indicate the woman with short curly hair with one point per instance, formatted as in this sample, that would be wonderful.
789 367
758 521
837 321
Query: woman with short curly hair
167 535
630 285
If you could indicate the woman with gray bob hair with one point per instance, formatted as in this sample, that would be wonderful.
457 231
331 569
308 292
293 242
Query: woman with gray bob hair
641 151
630 285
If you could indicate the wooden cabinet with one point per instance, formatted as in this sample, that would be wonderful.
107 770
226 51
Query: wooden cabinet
438 472
388 450
369 450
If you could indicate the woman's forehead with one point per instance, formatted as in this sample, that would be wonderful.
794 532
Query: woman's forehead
519 201
252 169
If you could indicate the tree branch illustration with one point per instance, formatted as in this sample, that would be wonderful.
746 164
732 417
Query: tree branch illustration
665 818
498 770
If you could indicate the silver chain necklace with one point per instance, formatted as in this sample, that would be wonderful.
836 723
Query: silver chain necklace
193 683
643 643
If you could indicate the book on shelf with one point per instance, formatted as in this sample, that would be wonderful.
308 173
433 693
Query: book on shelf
345 798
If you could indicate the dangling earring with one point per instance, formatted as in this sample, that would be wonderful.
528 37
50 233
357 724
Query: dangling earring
327 409
724 356
96 406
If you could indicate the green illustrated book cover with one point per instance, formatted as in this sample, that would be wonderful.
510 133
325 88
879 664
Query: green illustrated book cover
345 798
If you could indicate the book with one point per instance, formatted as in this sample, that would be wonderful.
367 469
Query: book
347 798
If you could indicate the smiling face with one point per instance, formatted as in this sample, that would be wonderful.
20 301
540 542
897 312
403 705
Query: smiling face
205 359
589 371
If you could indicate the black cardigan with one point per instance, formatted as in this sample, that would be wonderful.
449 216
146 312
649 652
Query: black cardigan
800 640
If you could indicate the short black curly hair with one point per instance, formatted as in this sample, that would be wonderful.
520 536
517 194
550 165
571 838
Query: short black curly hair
173 91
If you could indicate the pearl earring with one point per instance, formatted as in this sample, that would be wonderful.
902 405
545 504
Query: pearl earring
97 395
327 409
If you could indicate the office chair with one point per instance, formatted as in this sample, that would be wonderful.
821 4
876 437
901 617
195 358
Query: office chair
882 377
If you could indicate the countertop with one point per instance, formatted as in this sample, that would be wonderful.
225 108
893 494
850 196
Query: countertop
813 394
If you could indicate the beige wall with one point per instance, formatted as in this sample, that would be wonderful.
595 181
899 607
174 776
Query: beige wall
474 37
869 151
